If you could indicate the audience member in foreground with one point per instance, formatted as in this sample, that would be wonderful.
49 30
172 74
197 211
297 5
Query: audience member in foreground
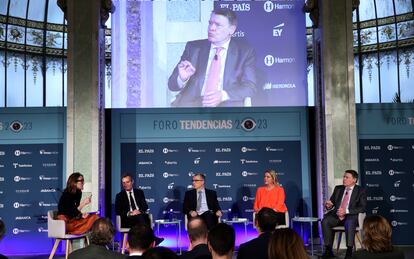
197 234
159 253
2 232
265 222
285 243
70 206
140 239
377 240
271 195
221 241
102 234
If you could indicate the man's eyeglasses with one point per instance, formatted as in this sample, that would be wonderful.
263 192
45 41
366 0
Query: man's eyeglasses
196 180
81 180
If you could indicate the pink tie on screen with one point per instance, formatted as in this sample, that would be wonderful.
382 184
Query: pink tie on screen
345 201
213 77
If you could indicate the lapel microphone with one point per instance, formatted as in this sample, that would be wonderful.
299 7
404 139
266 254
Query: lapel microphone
215 57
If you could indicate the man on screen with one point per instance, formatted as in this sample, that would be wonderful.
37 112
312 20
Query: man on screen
346 202
202 202
218 71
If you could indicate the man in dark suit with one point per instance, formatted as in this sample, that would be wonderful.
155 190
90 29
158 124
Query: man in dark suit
346 202
197 234
202 202
131 205
140 239
265 222
102 234
233 60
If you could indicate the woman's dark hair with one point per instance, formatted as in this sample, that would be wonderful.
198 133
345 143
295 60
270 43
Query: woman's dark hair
285 243
377 234
72 181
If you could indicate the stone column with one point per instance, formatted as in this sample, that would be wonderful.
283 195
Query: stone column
85 104
334 88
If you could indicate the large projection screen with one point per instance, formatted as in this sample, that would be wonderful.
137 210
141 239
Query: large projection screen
149 37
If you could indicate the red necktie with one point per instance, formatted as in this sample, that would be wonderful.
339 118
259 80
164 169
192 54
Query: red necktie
345 201
213 77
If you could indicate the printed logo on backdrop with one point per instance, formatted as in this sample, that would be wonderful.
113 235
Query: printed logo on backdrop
373 172
144 187
225 174
166 150
273 149
166 175
395 223
270 60
372 185
248 161
247 198
270 6
246 149
223 150
17 231
145 163
194 150
146 151
392 147
46 152
375 198
168 200
225 199
150 200
2 153
146 175
171 162
397 198
221 186
18 165
48 178
398 211
46 204
18 152
277 30
247 173
21 178
18 205
216 162
42 230
375 210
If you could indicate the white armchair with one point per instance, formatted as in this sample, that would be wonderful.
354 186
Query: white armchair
57 229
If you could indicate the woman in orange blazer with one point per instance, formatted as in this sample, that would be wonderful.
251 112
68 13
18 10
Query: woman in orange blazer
271 195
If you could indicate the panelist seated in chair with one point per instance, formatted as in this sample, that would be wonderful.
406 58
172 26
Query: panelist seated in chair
70 206
131 205
271 195
202 202
346 202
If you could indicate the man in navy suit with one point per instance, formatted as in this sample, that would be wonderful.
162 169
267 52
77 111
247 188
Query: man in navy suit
346 202
202 202
131 205
265 222
237 77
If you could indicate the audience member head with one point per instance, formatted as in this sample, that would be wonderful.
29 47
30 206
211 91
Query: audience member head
271 175
75 183
266 220
221 240
377 234
285 243
197 230
159 252
102 232
140 238
2 229
127 182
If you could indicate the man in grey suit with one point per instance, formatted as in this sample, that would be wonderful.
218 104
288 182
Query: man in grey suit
346 202
232 59
102 234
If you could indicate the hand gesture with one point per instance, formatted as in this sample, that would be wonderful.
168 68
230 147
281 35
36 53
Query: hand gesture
185 70
219 213
212 99
328 204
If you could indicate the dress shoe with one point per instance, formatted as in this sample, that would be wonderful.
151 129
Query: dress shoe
348 254
158 240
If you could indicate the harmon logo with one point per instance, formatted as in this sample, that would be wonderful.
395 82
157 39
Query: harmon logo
166 175
246 173
396 198
21 178
17 231
393 172
247 198
167 200
17 205
18 152
246 149
270 60
166 150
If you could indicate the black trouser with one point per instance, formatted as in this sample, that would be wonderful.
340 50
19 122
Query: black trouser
281 220
129 221
331 220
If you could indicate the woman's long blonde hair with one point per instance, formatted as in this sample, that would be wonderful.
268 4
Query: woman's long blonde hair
273 174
